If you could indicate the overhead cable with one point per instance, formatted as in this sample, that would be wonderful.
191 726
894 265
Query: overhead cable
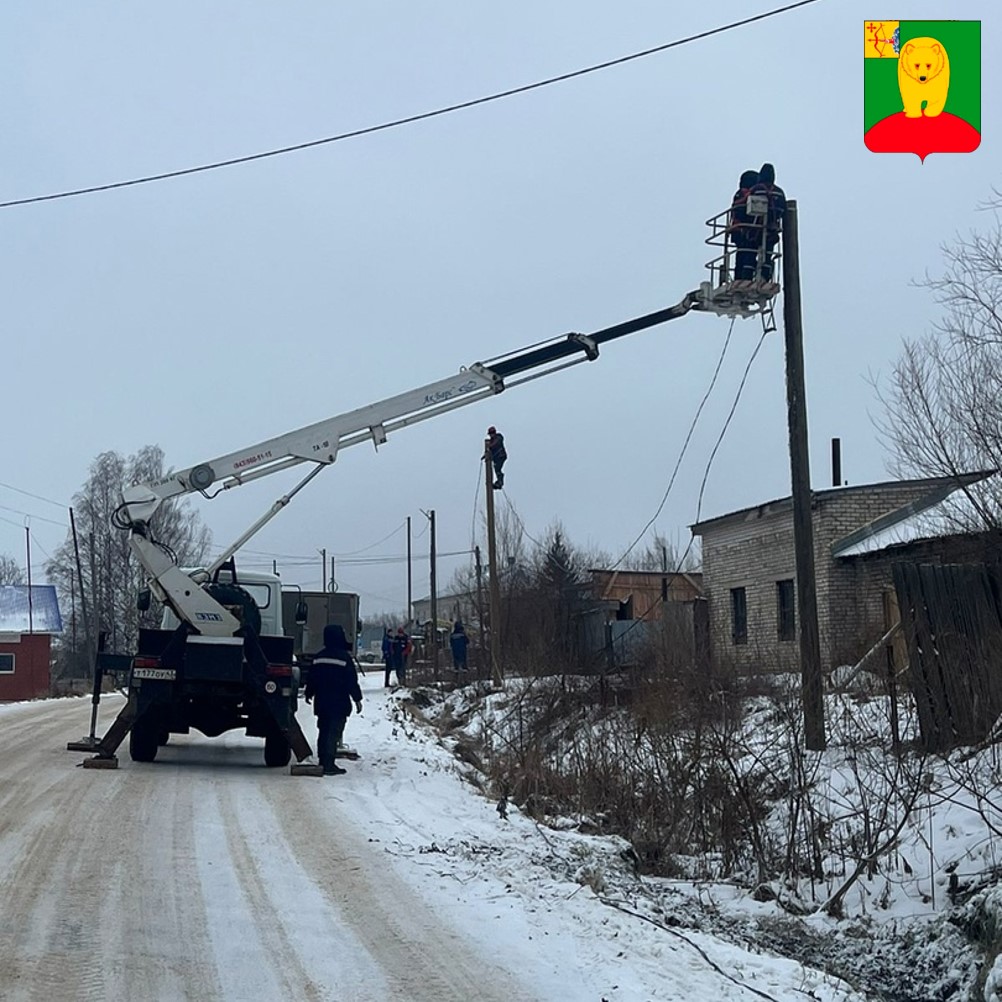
410 119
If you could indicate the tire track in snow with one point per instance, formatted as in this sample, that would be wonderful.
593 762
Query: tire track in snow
421 957
49 947
153 912
296 981
97 897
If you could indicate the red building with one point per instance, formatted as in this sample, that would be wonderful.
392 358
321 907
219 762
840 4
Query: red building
27 623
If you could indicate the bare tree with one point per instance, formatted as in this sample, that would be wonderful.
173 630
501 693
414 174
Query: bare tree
10 571
663 554
943 406
112 576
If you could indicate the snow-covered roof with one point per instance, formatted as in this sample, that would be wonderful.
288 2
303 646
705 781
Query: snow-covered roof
41 615
942 513
929 486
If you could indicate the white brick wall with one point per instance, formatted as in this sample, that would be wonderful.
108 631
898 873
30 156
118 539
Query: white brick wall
756 551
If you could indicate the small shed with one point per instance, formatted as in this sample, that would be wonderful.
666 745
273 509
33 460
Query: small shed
28 619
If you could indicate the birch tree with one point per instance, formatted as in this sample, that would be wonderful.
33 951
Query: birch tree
112 577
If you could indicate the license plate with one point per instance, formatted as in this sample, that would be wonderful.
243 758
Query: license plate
159 674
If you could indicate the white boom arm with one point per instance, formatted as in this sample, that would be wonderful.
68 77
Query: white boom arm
320 443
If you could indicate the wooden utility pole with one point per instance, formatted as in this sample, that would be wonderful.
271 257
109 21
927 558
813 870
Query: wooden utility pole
497 676
480 609
410 594
27 550
434 595
800 475
91 652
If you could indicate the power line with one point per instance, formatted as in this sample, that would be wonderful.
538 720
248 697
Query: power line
372 546
685 446
410 119
706 473
37 497
28 514
723 430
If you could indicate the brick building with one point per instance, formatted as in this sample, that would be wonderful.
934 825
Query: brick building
28 619
749 570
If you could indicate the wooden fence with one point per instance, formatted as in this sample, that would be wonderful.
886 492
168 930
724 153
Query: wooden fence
952 624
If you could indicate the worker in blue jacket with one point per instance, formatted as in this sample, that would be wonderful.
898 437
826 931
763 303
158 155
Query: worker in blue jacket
331 687
458 642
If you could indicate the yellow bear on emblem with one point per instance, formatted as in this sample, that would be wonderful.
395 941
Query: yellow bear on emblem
923 75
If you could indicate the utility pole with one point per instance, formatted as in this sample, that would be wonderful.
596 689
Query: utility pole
410 596
800 476
333 585
480 608
434 595
323 569
91 652
497 676
27 548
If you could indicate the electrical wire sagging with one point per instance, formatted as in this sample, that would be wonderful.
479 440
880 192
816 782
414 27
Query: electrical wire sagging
410 119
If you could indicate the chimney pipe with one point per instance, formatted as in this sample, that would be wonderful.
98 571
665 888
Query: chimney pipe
836 462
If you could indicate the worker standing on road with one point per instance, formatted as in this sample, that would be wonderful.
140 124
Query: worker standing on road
495 446
332 685
401 651
387 657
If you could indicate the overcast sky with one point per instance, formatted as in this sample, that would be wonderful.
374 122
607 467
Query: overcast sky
209 312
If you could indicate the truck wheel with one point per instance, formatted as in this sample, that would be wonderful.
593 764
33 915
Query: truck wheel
143 741
276 750
163 737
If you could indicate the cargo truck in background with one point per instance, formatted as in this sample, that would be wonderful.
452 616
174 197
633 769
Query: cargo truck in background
306 613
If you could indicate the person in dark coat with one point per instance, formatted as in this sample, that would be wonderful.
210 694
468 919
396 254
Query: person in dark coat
774 220
458 641
387 657
401 649
332 686
745 233
495 446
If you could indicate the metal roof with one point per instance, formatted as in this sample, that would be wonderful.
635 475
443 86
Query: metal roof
930 484
40 615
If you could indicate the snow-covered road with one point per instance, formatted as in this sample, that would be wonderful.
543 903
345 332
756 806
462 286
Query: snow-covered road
207 876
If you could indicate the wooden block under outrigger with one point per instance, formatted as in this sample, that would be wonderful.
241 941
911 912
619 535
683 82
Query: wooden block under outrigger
306 769
101 762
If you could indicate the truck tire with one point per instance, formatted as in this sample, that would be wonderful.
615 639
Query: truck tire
144 740
276 750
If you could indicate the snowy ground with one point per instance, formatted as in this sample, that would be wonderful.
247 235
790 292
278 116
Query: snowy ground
205 875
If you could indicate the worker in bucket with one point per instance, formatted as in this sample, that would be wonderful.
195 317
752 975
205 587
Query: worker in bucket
774 219
332 687
746 236
495 446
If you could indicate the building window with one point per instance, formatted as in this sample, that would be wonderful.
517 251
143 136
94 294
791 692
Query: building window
6 663
739 616
786 613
